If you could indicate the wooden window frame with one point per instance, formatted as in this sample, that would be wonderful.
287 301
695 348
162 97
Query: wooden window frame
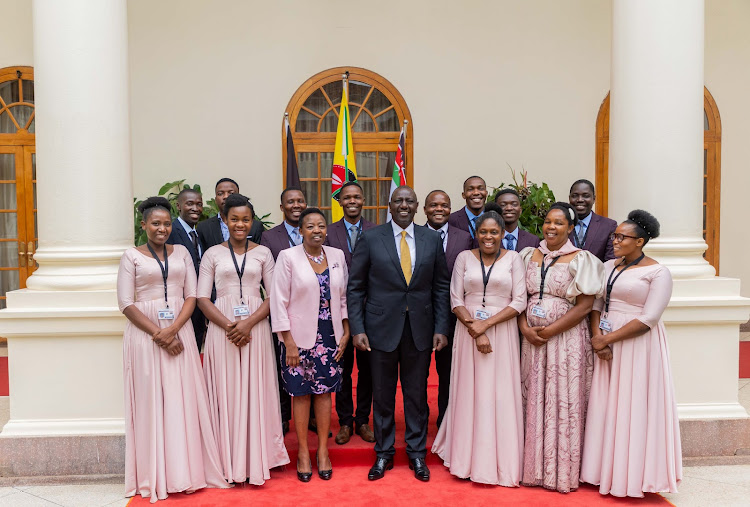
712 176
319 142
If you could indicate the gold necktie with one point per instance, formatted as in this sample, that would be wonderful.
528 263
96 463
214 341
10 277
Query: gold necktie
405 258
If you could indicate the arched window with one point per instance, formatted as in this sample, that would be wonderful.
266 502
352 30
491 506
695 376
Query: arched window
377 113
711 171
17 179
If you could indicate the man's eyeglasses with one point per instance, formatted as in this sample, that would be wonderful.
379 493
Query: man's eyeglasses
616 236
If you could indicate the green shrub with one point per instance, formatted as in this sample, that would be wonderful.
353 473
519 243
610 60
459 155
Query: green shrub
536 200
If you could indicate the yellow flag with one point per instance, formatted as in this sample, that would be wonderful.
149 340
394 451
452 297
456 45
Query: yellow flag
344 167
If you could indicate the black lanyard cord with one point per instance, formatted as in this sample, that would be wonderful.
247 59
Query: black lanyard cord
486 276
164 268
611 282
544 275
240 271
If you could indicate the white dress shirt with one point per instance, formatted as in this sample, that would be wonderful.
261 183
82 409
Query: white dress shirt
409 241
444 228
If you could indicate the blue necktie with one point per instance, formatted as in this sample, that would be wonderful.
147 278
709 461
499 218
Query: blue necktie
296 238
510 242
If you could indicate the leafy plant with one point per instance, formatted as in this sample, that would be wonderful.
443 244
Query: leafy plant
171 190
536 200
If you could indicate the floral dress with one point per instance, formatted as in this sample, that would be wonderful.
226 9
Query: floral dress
317 372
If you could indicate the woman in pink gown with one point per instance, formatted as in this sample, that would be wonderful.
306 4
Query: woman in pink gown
482 433
239 360
556 355
169 442
632 443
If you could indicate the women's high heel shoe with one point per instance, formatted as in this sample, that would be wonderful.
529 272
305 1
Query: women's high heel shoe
303 476
324 474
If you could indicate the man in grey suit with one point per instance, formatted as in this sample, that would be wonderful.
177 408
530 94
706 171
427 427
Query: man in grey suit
399 310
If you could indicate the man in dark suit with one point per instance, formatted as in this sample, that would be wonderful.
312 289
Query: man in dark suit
279 238
214 230
398 299
437 207
475 194
593 231
515 238
344 235
190 207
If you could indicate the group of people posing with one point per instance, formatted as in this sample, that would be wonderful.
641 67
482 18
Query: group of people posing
552 356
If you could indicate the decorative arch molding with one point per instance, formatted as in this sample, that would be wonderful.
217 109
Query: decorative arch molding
377 111
711 171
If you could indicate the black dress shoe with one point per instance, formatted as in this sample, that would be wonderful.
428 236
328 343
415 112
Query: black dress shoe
324 474
378 469
303 476
421 471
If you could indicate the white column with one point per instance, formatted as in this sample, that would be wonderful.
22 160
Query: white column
65 331
656 125
84 188
656 163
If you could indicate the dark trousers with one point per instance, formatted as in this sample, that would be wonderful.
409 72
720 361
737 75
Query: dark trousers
414 368
199 326
285 401
443 360
344 403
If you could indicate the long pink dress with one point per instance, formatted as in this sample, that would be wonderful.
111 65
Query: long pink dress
632 440
557 376
482 434
169 442
243 388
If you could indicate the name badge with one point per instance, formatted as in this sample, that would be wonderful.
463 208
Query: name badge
482 314
605 325
241 311
166 314
539 311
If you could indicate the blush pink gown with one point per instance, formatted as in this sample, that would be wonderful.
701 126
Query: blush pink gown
169 442
482 433
243 387
556 376
632 440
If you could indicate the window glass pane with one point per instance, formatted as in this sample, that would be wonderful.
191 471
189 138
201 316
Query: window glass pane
310 189
32 128
330 122
371 215
9 91
307 163
325 190
358 92
388 122
22 114
382 215
370 189
334 90
317 102
28 91
377 102
9 254
705 120
384 193
366 165
6 124
387 159
9 281
8 196
364 123
7 166
327 213
306 122
8 225
326 163
2 304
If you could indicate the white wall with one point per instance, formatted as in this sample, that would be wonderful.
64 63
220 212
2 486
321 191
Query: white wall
16 37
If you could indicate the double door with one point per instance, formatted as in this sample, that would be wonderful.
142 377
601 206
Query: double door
18 229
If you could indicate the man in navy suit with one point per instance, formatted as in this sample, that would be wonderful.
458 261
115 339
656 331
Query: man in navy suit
281 237
190 207
593 231
399 310
515 238
214 230
437 207
475 194
344 235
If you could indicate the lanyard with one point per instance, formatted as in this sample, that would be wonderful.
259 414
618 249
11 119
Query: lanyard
486 276
544 275
349 238
611 283
585 235
239 271
164 268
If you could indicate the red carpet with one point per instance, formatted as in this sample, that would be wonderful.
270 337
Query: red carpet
744 359
349 484
4 377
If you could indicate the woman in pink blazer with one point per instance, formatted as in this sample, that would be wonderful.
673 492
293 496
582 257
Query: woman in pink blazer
308 311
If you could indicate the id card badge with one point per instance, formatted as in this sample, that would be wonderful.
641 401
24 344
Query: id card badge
605 325
482 314
539 311
241 311
166 314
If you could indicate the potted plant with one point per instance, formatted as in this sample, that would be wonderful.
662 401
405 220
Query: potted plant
536 200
